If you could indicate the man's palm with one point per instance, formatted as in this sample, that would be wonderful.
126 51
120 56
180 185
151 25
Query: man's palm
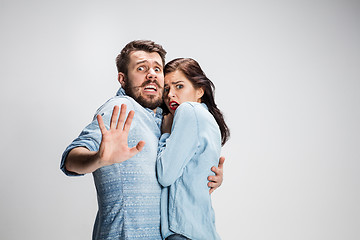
114 145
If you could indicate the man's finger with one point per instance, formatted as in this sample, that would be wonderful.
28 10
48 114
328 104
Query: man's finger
114 116
212 184
217 170
128 121
212 178
140 145
221 162
101 124
121 116
137 148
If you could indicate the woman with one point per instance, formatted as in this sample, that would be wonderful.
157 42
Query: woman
198 131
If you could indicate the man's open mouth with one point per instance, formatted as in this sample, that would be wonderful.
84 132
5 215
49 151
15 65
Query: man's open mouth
173 105
150 88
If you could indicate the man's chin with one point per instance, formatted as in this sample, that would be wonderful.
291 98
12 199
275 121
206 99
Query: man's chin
149 102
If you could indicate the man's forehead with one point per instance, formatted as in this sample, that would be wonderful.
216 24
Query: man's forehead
142 56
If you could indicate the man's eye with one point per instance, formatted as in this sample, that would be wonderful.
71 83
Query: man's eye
140 68
157 69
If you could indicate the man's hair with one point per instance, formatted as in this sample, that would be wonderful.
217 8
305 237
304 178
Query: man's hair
123 59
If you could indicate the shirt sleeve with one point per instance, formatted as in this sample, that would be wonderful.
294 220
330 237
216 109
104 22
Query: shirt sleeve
90 137
177 149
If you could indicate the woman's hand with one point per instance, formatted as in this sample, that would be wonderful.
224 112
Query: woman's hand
167 123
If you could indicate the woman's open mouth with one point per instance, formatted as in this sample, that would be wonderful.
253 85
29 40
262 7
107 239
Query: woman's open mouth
173 105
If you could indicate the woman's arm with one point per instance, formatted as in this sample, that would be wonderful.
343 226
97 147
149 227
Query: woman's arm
176 150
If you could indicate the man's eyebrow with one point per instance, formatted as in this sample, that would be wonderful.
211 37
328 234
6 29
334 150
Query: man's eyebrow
143 61
158 63
140 62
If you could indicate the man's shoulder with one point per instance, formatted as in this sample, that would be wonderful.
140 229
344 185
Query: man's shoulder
117 101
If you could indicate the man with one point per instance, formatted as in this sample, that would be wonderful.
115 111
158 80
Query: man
128 191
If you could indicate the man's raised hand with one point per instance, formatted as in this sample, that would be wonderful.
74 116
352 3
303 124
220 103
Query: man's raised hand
114 145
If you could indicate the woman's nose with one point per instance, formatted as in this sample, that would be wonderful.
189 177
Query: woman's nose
170 93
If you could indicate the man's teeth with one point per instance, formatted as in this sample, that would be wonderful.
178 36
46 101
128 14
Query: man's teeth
150 87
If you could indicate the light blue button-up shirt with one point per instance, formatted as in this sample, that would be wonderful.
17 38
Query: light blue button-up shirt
128 193
184 161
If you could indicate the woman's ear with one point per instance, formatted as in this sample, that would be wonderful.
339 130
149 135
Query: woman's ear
121 79
199 93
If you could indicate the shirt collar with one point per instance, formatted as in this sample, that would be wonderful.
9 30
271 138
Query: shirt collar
121 92
158 112
205 106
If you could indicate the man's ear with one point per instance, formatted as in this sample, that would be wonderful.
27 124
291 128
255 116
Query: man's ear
121 79
199 93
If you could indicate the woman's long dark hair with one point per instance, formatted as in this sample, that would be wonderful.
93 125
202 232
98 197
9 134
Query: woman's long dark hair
193 72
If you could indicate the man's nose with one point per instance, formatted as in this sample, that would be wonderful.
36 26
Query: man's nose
151 74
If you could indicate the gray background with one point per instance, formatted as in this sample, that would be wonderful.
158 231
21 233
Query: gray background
287 77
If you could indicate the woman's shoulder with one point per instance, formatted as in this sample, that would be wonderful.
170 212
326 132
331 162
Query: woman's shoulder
191 106
193 109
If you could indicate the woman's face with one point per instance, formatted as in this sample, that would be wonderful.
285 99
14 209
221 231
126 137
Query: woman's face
179 89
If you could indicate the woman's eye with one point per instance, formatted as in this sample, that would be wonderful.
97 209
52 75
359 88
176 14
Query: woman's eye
179 86
166 90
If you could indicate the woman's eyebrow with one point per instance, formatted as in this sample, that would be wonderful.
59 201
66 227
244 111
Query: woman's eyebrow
177 82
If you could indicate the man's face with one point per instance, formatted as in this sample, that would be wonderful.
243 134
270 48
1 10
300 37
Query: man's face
145 79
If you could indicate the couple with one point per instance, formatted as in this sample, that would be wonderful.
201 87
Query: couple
128 190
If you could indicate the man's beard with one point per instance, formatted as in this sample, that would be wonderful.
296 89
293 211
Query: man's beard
151 102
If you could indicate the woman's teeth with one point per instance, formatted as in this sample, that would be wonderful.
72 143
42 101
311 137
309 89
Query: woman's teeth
173 105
